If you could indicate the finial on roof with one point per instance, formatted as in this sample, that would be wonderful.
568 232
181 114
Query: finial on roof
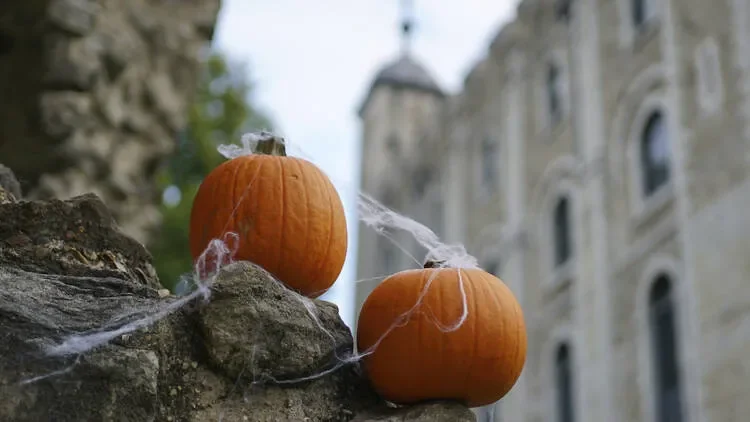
407 24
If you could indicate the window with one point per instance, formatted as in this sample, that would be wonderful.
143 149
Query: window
562 240
563 10
554 103
564 387
639 12
654 153
664 351
489 163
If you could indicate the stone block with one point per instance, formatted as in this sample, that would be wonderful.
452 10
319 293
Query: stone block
77 17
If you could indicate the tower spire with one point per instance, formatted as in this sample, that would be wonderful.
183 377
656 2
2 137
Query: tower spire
407 24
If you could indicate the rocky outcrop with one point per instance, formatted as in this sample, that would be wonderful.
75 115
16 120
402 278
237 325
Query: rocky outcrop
95 93
65 268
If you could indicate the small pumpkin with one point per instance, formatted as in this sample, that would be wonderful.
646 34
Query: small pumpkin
287 215
477 363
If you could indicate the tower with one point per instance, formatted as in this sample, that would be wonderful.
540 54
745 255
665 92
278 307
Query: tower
400 109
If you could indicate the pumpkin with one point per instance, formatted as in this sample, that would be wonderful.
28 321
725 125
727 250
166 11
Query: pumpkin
424 357
285 212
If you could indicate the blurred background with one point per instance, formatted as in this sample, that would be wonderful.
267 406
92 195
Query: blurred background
593 154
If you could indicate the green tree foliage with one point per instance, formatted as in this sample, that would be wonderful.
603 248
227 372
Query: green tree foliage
220 114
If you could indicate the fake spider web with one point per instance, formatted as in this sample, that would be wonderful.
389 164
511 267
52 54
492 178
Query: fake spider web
196 285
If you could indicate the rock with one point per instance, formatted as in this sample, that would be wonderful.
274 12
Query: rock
66 269
166 99
427 412
62 112
72 64
9 183
304 337
76 237
75 16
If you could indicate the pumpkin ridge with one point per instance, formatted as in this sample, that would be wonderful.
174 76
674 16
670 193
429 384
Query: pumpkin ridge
280 267
303 181
219 210
490 291
331 226
202 215
231 223
246 197
466 280
441 349
422 320
520 333
507 352
518 316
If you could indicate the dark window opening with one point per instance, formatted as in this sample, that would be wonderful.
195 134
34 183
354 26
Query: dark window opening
563 245
553 94
563 10
664 342
638 9
655 153
564 378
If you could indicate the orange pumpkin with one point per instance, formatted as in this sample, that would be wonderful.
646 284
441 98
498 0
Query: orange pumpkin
285 210
477 363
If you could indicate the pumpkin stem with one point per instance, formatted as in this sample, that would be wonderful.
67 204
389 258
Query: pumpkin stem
433 264
270 144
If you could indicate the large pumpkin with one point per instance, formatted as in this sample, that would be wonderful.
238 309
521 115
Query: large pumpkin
477 363
285 210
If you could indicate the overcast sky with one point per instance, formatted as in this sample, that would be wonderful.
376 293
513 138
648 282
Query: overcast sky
312 62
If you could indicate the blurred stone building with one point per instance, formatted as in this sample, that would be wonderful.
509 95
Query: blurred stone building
93 94
597 159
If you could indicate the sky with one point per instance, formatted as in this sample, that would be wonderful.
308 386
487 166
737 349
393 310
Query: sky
312 63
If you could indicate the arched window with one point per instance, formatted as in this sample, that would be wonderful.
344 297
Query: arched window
664 348
562 233
564 384
654 153
639 12
554 95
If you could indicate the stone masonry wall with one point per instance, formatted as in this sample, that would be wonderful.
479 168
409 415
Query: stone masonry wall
93 94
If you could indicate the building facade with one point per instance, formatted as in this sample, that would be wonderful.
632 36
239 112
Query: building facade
597 159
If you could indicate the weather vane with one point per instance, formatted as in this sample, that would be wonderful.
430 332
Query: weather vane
407 24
